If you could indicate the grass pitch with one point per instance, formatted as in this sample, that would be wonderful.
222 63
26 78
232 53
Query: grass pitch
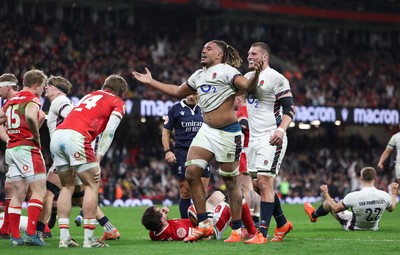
323 237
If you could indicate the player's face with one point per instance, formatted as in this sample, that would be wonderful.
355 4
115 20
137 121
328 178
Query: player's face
255 54
192 99
40 88
211 54
4 91
50 91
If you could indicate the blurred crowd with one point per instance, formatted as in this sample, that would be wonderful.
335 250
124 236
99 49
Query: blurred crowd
339 72
374 6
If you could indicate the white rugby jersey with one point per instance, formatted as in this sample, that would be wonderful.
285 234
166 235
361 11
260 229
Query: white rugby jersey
60 107
395 142
264 110
214 85
367 206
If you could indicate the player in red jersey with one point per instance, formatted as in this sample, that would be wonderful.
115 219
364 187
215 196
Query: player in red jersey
8 88
22 116
97 112
162 229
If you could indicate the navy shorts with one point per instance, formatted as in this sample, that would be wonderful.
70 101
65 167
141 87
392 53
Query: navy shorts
179 166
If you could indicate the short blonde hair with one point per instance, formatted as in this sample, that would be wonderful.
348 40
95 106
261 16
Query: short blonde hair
116 84
33 77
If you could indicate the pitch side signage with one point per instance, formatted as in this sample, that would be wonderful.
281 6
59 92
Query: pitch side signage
347 115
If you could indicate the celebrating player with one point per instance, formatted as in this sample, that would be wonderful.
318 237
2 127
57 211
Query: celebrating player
270 110
394 142
220 135
367 205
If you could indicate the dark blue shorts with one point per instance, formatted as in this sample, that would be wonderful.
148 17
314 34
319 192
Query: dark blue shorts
179 166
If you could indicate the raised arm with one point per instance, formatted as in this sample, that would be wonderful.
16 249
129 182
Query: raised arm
170 89
335 207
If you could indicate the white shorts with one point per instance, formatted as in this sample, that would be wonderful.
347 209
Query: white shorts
221 219
397 171
25 162
225 145
70 148
263 158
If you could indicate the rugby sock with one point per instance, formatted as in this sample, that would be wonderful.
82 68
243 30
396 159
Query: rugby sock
184 204
40 226
35 207
106 224
278 213
89 225
256 220
14 213
5 229
247 220
63 225
266 210
202 217
236 224
319 212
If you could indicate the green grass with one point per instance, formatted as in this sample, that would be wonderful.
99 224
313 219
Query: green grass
323 237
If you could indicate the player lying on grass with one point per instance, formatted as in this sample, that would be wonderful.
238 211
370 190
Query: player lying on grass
162 229
367 205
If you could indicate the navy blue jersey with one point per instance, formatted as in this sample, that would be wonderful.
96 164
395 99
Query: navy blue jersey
186 122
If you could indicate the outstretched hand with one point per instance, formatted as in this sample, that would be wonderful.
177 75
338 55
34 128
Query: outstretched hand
145 78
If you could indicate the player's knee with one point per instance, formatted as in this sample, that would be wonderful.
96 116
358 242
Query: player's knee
194 169
226 174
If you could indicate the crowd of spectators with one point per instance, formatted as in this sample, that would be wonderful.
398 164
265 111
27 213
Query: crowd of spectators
338 73
374 6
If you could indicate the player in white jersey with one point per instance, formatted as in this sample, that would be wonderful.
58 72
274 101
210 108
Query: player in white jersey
220 136
270 111
56 91
367 205
394 142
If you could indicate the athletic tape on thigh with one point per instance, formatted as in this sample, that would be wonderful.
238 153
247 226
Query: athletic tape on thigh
229 174
197 162
78 194
53 188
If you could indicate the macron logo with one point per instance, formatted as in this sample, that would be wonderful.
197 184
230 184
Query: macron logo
182 113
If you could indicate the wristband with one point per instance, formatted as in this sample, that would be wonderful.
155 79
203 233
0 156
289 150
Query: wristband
167 150
281 129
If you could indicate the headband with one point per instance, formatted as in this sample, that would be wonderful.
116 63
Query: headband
7 83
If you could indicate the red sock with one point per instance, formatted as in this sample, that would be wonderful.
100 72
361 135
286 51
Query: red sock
248 220
5 229
14 214
35 207
46 228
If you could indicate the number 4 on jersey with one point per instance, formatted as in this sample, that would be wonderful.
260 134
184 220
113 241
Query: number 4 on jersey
89 101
